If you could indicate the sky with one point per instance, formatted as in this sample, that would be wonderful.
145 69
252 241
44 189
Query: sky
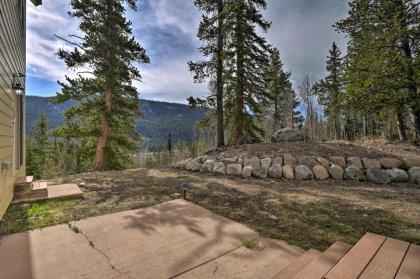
301 29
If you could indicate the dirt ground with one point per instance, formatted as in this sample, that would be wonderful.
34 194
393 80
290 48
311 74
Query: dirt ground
365 150
308 214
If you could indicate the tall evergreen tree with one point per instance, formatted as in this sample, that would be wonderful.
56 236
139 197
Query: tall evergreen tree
280 90
107 102
211 33
329 91
247 55
41 147
380 67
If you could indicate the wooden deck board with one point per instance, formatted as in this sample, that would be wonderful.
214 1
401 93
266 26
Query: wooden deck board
356 260
386 262
410 267
319 267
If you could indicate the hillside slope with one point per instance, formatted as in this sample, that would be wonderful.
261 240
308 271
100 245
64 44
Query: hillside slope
159 119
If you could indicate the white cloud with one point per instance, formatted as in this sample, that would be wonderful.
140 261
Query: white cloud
172 81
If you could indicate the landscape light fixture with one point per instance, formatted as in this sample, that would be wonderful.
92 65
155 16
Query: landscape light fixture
17 84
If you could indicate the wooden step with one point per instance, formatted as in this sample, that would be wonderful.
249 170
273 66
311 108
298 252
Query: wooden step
23 183
357 259
37 191
387 260
319 267
39 185
297 265
410 267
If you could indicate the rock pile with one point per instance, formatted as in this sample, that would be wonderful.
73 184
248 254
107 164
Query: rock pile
352 168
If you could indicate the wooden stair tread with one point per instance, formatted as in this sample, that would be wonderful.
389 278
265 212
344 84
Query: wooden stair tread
39 185
24 179
298 264
319 267
387 260
355 261
410 267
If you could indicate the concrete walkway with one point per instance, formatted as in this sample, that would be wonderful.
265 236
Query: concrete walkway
172 239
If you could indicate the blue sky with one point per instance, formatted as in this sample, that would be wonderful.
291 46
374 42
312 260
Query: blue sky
301 29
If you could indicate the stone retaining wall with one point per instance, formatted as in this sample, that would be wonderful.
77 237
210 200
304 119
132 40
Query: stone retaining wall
381 171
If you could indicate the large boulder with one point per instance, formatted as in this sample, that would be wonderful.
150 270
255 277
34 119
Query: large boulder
411 162
288 135
336 172
229 160
276 171
324 162
234 169
378 175
182 165
247 171
371 163
320 172
194 165
303 172
390 163
288 172
354 173
277 161
201 159
260 172
339 161
207 166
219 168
253 162
414 175
266 163
354 162
397 175
308 161
290 160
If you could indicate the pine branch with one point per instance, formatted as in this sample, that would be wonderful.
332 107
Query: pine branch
70 42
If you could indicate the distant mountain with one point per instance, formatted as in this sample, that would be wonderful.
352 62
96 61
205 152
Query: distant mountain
160 118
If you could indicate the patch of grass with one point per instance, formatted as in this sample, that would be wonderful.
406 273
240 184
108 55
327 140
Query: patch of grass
74 228
29 216
251 244
315 224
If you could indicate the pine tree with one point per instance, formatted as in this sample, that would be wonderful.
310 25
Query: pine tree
212 35
41 147
329 91
107 103
29 157
280 90
297 119
169 145
247 57
380 67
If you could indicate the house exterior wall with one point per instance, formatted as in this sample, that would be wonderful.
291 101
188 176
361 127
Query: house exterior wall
12 114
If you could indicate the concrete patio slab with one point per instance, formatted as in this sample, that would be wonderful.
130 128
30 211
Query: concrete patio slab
156 242
265 261
64 191
56 252
164 240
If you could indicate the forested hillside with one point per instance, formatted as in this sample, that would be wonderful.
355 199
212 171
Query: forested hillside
159 119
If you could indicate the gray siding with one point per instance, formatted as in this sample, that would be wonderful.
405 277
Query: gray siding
12 61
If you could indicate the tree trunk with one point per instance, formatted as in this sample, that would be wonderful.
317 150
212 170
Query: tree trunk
412 86
98 163
416 113
239 76
401 125
219 104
